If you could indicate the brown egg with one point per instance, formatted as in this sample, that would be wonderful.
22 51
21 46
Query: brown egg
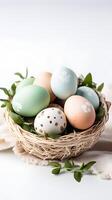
80 112
44 80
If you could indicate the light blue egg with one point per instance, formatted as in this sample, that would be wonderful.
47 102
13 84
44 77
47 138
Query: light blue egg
90 95
64 83
25 82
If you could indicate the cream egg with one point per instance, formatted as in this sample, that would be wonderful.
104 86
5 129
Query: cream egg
80 112
50 121
44 80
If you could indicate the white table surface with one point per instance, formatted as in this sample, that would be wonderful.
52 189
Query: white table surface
46 35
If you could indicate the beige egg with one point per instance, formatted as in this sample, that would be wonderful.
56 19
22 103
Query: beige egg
44 80
80 112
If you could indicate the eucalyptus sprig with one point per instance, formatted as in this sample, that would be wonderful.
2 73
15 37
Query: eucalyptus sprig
69 166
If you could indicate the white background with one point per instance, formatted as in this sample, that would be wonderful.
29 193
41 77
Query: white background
46 35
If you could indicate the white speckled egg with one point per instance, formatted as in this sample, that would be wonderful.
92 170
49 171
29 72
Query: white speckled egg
64 83
50 121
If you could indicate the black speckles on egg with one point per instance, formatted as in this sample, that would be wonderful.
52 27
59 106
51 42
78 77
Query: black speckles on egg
40 130
51 120
56 124
59 112
61 128
64 124
42 113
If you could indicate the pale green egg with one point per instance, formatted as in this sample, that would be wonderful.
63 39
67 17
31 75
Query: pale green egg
30 100
90 95
25 82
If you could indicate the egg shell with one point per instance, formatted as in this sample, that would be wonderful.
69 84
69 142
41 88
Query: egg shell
80 112
64 82
50 121
44 80
90 95
30 100
25 82
56 106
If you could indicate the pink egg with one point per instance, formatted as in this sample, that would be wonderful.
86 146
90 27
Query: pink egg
80 112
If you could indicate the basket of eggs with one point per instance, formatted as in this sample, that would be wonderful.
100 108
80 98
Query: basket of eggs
56 116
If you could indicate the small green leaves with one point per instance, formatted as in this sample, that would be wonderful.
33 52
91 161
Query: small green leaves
17 118
87 80
13 89
57 167
69 166
55 164
87 166
22 76
5 91
6 103
100 87
78 176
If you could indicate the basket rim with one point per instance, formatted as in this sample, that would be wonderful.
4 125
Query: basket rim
92 129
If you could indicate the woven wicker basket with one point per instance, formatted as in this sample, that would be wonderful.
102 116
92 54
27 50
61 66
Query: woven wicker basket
67 146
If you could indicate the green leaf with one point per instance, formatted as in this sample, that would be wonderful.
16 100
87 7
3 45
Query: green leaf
13 89
87 80
68 165
56 170
55 164
26 127
78 176
53 136
88 165
5 91
26 76
82 166
3 105
4 100
100 113
100 87
17 118
94 85
20 75
7 104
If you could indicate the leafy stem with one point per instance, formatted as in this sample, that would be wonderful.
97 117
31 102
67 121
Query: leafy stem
69 166
21 76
